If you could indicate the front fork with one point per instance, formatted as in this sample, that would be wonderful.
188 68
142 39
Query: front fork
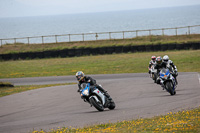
162 83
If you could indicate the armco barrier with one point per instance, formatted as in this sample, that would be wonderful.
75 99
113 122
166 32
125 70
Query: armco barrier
97 51
164 47
195 46
172 46
149 48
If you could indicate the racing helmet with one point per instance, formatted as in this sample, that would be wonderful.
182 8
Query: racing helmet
159 59
165 58
153 58
80 75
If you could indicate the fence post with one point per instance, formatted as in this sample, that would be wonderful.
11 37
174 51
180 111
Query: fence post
28 39
163 32
83 37
176 32
96 36
136 33
56 38
15 40
189 30
123 34
149 32
110 35
42 39
69 38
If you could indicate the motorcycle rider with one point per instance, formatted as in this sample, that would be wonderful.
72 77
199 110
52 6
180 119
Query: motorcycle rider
152 62
171 67
159 65
82 78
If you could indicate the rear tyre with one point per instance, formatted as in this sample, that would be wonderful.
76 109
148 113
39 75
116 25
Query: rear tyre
154 77
112 105
96 104
174 92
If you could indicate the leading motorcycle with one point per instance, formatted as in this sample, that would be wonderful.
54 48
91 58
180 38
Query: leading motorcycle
168 81
95 97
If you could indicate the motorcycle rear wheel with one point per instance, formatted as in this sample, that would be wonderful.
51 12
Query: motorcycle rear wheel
112 105
97 105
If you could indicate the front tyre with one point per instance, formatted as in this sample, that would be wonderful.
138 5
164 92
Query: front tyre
169 87
96 104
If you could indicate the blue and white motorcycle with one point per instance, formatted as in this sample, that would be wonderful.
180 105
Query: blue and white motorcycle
95 97
168 81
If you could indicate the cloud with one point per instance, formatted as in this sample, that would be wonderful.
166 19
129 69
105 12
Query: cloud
69 2
9 8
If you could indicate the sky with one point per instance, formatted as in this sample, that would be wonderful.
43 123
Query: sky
21 8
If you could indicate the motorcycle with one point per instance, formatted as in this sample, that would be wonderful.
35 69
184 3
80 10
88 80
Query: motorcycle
95 97
153 73
168 81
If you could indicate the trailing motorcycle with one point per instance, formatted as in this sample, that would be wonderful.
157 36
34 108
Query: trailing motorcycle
95 97
153 73
168 81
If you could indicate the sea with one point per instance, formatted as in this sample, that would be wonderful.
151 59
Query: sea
129 20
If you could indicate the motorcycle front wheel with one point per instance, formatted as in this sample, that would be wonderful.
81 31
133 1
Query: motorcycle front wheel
97 105
169 87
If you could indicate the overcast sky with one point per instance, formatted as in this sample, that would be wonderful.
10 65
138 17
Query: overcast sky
17 8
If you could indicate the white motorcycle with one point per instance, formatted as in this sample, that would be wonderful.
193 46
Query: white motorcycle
153 73
95 97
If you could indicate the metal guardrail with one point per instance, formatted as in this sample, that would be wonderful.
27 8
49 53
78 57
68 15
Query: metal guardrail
99 36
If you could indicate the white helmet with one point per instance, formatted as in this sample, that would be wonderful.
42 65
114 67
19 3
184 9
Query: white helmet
153 58
165 58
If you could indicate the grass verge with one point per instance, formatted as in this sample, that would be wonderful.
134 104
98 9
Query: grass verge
183 121
185 60
4 91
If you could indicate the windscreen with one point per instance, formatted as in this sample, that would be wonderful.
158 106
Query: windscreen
83 85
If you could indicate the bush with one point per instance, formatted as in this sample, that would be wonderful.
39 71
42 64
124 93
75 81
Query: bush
6 84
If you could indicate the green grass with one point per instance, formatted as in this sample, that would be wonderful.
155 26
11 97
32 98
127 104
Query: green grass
144 40
186 61
4 91
183 121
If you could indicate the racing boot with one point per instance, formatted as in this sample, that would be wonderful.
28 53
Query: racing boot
105 92
107 95
176 81
158 80
175 75
162 85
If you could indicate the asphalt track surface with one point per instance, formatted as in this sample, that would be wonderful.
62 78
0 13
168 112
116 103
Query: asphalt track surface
135 95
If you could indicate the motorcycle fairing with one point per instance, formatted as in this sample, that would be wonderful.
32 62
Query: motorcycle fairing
100 94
